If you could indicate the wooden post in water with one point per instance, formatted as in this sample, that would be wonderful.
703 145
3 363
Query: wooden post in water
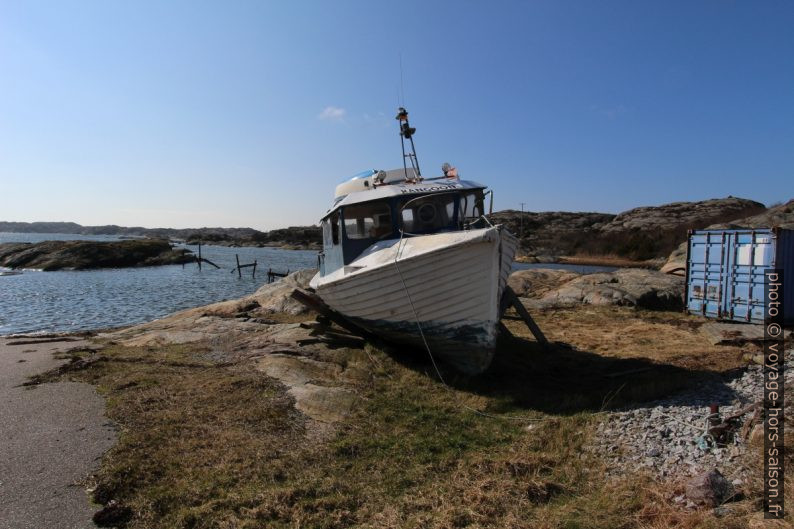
240 267
199 257
271 275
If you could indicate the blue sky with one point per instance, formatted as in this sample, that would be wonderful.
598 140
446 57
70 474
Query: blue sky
188 114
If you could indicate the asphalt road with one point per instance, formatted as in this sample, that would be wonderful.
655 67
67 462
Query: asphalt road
52 436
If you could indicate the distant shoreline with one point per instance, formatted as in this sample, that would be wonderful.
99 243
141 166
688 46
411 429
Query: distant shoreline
642 237
293 238
251 244
211 240
584 260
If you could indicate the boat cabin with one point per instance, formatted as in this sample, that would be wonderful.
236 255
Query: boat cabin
360 219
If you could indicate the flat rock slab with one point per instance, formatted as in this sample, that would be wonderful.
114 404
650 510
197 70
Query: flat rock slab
51 439
724 333
307 381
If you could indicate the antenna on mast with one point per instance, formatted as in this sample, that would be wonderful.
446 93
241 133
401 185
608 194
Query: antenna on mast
402 87
407 133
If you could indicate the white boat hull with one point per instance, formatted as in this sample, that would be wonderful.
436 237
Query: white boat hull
448 283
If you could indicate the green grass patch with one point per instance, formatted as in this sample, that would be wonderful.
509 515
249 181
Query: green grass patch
205 445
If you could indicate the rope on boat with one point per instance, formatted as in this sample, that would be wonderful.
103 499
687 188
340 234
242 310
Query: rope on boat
433 359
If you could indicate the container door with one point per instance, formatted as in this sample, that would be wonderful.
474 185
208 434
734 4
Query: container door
707 266
751 253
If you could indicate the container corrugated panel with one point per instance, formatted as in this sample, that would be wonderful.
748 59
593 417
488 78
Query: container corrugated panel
725 272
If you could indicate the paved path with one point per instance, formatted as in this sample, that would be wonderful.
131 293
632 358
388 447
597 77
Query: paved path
52 437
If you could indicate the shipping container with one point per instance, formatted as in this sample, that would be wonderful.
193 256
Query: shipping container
725 272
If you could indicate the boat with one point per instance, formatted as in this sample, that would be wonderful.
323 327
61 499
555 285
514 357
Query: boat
415 260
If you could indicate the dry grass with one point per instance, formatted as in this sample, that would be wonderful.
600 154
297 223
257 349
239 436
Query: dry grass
204 445
608 260
284 317
671 338
193 435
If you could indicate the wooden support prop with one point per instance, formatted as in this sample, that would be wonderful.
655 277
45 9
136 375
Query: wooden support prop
747 427
316 304
509 299
239 273
754 407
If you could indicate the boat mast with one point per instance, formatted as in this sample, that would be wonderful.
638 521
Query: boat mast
407 133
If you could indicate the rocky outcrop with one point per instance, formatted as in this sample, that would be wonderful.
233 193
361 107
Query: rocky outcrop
676 262
649 289
83 255
629 287
550 233
781 216
222 317
642 234
320 378
535 282
675 215
292 238
269 299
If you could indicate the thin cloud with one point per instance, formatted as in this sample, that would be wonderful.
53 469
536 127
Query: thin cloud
332 113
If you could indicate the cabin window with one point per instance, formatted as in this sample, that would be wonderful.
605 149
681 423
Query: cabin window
367 221
428 213
333 227
472 206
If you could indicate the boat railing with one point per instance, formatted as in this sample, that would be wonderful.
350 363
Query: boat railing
483 217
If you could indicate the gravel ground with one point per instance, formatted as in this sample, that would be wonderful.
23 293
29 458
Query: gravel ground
51 439
663 435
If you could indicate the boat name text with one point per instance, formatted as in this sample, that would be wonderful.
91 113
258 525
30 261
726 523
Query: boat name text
438 187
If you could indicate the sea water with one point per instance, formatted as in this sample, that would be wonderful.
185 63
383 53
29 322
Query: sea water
91 299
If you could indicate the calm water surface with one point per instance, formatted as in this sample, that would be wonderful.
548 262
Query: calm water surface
579 269
91 299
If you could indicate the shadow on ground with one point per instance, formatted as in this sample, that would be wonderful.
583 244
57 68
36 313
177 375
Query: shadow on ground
560 379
